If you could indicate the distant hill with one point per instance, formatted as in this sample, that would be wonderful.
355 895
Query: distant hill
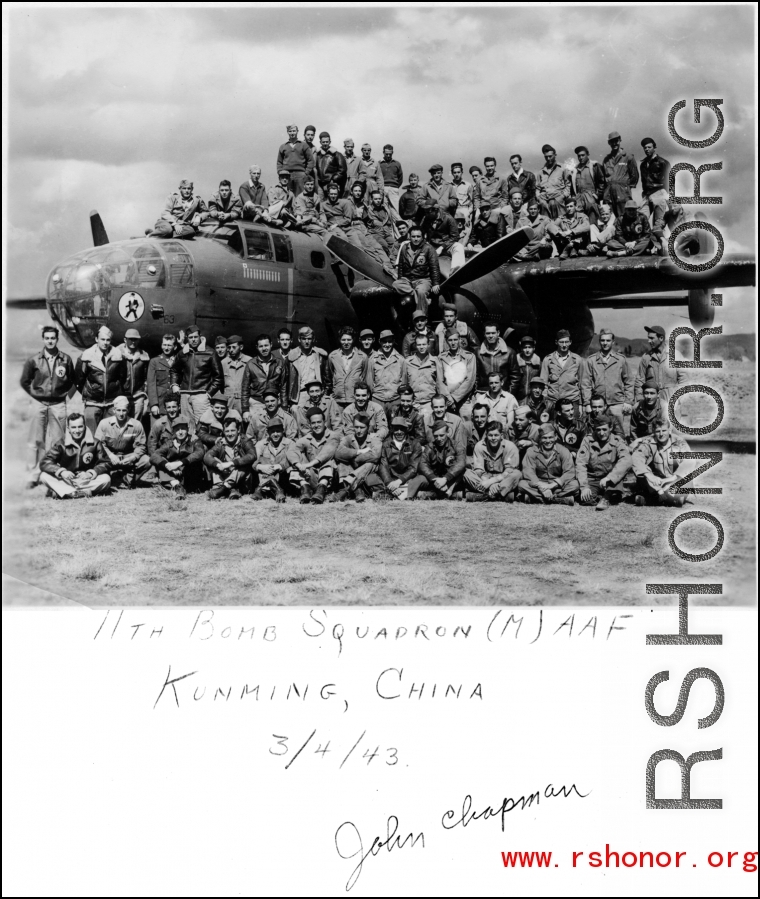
726 347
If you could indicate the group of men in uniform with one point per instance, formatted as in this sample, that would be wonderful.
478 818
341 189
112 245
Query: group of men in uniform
447 416
580 208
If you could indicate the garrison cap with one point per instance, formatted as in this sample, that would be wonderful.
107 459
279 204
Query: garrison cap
435 168
547 430
219 398
580 149
367 332
539 381
305 331
485 204
313 412
185 183
399 422
548 148
385 335
233 415
366 146
132 333
220 341
313 383
180 422
236 338
121 401
562 334
524 341
516 190
418 314
602 419
631 204
655 329
613 135
440 426
651 384
648 140
282 172
193 329
275 424
271 391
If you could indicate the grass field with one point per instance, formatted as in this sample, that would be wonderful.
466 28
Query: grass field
143 548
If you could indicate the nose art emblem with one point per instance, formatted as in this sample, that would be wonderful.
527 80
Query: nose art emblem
131 306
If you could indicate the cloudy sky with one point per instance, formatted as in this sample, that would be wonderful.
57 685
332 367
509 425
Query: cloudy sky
109 108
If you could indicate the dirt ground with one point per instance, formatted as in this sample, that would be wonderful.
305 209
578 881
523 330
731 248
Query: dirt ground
144 548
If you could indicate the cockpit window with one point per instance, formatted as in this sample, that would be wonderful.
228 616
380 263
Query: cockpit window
258 246
282 248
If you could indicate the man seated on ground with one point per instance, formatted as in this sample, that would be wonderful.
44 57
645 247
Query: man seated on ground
548 472
364 404
262 372
571 231
442 233
441 466
456 372
230 461
348 367
419 326
540 246
500 403
357 455
475 429
162 429
315 398
178 460
656 469
438 412
419 274
225 206
182 215
598 406
404 407
75 466
211 423
602 465
386 373
645 413
253 195
536 401
399 461
276 456
569 428
633 235
484 231
422 373
307 208
316 468
525 432
495 469
271 409
601 233
451 320
125 446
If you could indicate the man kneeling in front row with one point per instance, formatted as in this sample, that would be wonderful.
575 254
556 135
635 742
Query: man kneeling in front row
602 465
178 459
276 456
656 468
441 467
230 460
548 472
76 466
495 471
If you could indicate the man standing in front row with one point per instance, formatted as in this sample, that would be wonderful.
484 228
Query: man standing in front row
100 375
48 378
606 374
75 467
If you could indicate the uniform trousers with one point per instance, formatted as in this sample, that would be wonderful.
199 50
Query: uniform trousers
46 427
193 405
99 484
571 488
94 414
507 483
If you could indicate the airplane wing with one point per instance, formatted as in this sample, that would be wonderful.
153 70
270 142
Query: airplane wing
26 303
359 261
488 259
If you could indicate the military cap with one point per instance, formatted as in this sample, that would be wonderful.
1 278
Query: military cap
602 419
648 140
236 338
313 383
651 384
315 410
193 329
440 426
322 134
220 341
485 204
435 168
180 422
132 333
399 422
418 314
305 331
282 172
524 341
384 335
655 329
548 148
448 307
185 183
233 415
366 146
271 391
580 149
562 334
613 135
475 168
631 204
547 430
367 332
275 424
348 140
310 128
219 398
539 381
516 190
121 401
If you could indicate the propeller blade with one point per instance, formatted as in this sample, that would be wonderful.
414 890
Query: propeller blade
490 258
359 261
26 303
99 236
